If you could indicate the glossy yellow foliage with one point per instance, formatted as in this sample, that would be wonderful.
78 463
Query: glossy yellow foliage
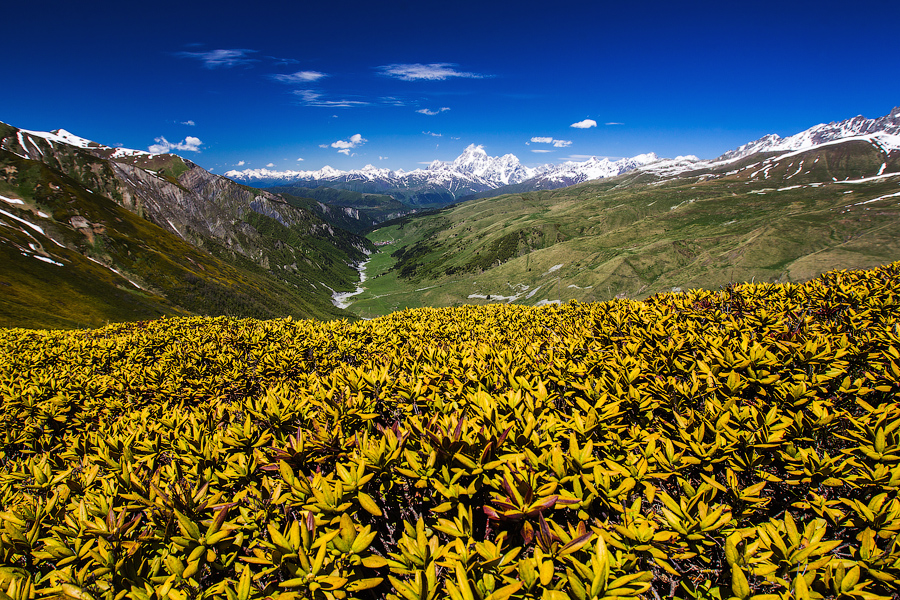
738 443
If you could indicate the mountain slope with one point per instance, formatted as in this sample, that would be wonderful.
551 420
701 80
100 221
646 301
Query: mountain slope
769 217
353 211
883 129
191 242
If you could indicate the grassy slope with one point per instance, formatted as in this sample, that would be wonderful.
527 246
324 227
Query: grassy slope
176 278
636 236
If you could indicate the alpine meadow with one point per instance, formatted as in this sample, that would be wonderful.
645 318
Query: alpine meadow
468 301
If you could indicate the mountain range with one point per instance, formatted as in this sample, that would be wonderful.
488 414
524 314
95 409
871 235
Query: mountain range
475 174
91 233
441 183
776 210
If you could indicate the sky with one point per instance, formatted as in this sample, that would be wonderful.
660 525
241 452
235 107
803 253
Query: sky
397 84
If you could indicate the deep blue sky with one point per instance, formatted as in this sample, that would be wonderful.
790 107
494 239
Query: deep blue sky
666 77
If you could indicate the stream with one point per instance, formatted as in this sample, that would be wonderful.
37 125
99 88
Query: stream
343 299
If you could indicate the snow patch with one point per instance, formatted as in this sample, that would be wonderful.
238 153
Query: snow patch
878 198
11 200
32 225
47 260
116 271
553 269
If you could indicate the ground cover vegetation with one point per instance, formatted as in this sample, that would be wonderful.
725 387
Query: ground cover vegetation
741 443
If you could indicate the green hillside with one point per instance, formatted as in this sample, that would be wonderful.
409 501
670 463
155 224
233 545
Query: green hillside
353 211
100 262
638 234
92 235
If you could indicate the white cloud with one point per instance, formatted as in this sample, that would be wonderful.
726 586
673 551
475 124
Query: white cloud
432 134
344 146
429 72
541 151
549 140
240 163
431 113
162 145
270 165
299 77
586 124
189 122
613 123
382 158
313 98
299 160
221 58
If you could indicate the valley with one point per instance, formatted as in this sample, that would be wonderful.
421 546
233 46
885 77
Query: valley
95 234
766 218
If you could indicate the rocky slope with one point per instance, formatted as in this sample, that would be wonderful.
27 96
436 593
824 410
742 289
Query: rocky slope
254 243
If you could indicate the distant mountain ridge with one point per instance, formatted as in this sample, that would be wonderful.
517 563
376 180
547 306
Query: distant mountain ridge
441 183
475 174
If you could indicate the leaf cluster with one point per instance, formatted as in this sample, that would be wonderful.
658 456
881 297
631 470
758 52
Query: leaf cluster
733 444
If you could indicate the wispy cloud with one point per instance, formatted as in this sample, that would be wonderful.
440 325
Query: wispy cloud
431 113
313 98
344 146
225 58
541 151
299 160
299 77
586 124
189 122
613 123
162 145
432 134
429 72
549 140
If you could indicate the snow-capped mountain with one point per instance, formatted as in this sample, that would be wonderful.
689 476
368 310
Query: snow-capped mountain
472 172
884 131
570 173
473 166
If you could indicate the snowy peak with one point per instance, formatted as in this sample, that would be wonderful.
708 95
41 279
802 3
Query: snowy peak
61 136
887 127
473 171
475 161
570 173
